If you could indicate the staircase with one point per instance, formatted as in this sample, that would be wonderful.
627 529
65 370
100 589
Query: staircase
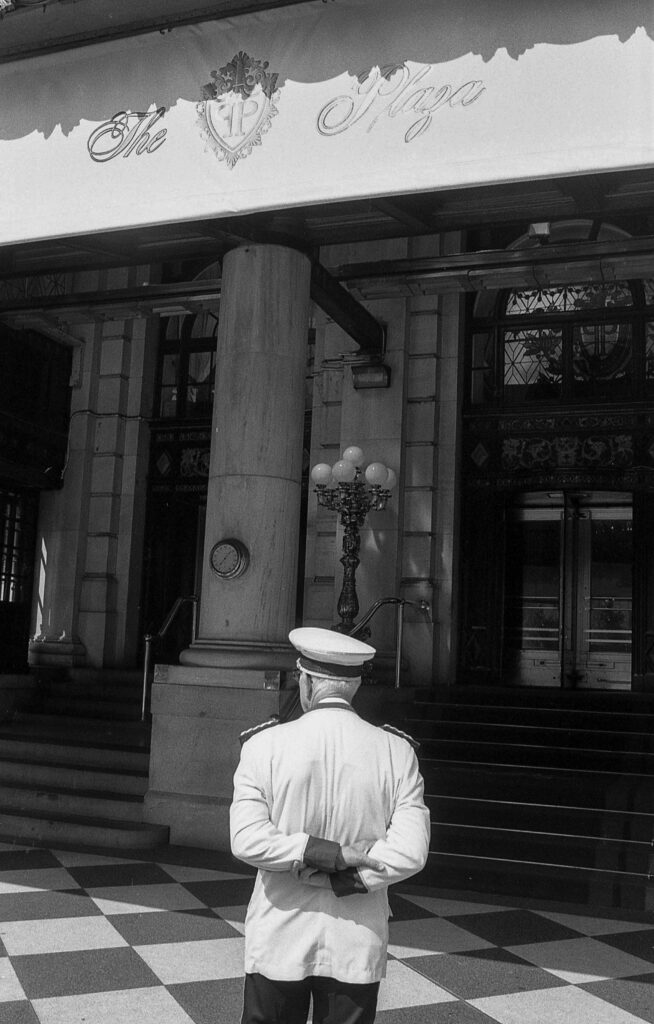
74 765
540 793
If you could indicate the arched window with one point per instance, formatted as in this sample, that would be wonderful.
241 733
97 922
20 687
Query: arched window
187 366
568 343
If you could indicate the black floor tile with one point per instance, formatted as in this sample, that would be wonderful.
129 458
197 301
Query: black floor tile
640 943
48 975
170 926
27 860
635 995
405 910
211 1002
483 972
513 927
224 893
99 876
34 906
20 1012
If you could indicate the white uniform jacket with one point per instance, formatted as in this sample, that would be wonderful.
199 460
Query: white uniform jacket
327 776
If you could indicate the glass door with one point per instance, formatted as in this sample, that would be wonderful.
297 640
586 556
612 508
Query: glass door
601 635
568 591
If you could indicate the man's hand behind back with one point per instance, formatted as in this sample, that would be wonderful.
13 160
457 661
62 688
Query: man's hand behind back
353 856
356 856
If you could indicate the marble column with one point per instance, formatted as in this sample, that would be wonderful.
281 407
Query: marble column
230 676
256 458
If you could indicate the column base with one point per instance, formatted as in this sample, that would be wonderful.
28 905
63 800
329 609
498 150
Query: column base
193 820
241 654
198 714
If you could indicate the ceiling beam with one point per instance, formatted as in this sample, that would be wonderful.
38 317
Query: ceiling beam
397 211
187 296
534 267
343 308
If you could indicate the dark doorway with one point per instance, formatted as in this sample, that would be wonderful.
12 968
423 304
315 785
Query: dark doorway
18 510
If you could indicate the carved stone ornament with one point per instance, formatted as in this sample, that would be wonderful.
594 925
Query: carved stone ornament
238 106
570 452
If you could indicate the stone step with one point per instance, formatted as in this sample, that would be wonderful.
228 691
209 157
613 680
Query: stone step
597 822
539 697
72 776
67 728
108 756
78 830
74 764
558 849
540 793
535 734
538 880
87 706
47 800
539 755
597 719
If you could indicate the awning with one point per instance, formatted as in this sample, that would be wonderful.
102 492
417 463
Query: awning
317 103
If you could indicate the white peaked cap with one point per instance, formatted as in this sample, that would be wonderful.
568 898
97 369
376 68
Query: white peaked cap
326 650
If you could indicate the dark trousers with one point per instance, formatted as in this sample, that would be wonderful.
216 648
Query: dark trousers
287 1002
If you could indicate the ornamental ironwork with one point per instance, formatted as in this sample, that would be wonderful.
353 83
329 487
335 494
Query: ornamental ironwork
37 286
571 298
567 451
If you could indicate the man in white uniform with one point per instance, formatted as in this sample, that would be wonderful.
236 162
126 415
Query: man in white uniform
330 810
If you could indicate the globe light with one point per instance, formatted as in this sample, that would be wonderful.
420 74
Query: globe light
352 492
344 471
321 474
391 480
376 474
354 454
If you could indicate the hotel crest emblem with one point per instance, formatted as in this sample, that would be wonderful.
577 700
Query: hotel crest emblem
238 106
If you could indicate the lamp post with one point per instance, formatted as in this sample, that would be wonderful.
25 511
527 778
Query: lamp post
352 491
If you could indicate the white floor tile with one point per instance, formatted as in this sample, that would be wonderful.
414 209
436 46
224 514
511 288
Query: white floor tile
59 935
133 899
133 1006
11 989
580 960
430 935
566 1005
404 987
200 960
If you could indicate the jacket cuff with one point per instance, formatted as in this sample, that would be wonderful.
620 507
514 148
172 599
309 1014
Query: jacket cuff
347 882
321 854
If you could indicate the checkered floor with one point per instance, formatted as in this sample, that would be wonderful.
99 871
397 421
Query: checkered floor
157 939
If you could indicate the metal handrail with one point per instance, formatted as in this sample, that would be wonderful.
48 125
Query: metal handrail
150 638
399 631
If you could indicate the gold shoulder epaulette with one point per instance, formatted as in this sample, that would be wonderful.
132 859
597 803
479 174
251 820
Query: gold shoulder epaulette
402 735
247 734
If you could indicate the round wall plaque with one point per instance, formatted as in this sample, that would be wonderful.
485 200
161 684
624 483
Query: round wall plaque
229 558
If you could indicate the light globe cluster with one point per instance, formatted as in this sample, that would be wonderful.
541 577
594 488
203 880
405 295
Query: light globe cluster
348 470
